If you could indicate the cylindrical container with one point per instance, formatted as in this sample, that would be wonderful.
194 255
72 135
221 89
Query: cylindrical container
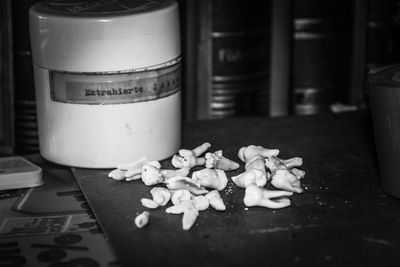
385 108
107 79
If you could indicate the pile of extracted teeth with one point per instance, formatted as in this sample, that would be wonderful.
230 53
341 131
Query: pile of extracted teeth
190 195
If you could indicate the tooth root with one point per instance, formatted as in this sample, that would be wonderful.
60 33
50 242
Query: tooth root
134 173
298 173
275 204
256 196
217 204
201 149
215 200
189 217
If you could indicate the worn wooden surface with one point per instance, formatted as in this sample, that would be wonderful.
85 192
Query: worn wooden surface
342 217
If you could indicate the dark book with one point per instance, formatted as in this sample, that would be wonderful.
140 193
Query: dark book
281 34
227 51
321 52
6 81
383 33
26 130
376 42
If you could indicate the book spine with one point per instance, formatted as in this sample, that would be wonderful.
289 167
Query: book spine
232 58
280 57
383 33
240 37
189 19
357 80
376 43
320 54
26 130
6 81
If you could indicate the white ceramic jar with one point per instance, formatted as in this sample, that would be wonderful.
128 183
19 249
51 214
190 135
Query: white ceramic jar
107 79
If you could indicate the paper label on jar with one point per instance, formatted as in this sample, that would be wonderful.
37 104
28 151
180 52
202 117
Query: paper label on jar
103 88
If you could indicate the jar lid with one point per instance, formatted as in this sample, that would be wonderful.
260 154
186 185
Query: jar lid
106 35
388 76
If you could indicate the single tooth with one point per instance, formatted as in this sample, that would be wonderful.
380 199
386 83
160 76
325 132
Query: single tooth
189 216
178 182
190 158
248 153
249 177
117 174
180 195
215 200
211 178
217 161
133 174
151 175
142 219
286 180
201 149
202 203
133 165
256 196
179 207
298 173
292 162
149 203
161 195
167 174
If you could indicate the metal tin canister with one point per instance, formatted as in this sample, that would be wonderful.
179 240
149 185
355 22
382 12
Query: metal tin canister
384 98
107 80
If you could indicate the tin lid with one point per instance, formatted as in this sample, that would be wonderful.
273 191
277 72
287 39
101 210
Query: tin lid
388 76
104 35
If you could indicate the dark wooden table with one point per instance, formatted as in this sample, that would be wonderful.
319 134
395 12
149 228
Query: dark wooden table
342 218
